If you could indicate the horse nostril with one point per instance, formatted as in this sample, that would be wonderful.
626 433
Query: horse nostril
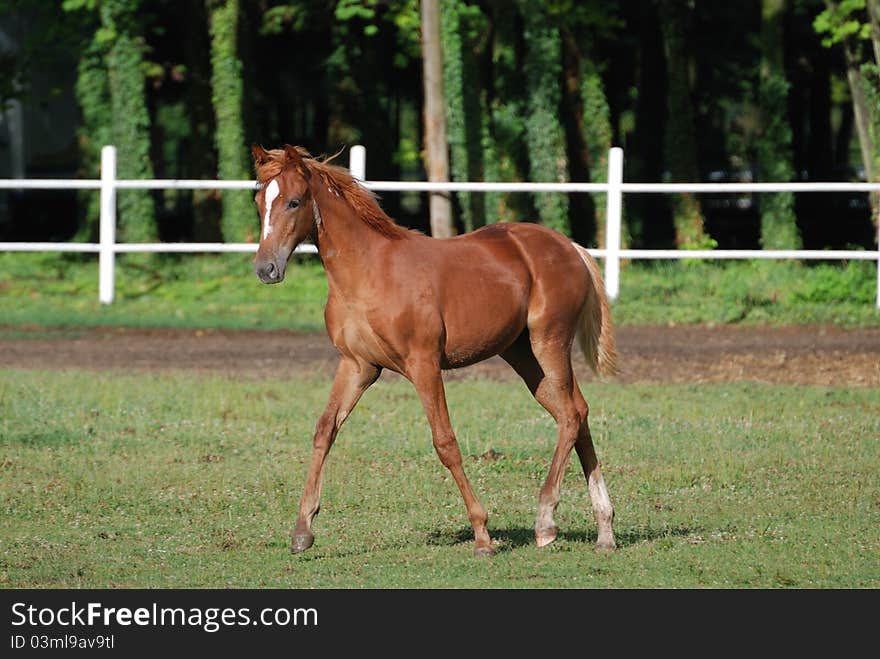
269 271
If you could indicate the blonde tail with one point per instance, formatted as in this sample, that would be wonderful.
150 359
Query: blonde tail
595 333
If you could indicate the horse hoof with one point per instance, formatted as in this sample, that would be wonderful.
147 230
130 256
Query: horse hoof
605 545
484 551
301 542
545 536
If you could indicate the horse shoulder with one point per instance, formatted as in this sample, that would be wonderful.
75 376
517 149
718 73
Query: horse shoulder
357 331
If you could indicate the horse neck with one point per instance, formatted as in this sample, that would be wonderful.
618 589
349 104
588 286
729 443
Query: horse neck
345 243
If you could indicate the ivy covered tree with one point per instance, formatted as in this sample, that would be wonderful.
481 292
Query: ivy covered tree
680 139
597 137
122 27
854 24
227 94
544 134
111 91
773 144
505 154
588 119
460 28
93 96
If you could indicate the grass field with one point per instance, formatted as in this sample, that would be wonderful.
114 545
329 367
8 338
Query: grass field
222 291
177 480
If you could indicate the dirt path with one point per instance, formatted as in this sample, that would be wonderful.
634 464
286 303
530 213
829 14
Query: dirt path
797 354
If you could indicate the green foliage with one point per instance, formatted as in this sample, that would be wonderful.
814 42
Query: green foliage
347 10
76 5
773 146
464 120
130 128
36 38
544 135
680 147
175 125
505 155
871 86
829 284
597 123
597 133
227 93
840 21
778 222
93 96
599 17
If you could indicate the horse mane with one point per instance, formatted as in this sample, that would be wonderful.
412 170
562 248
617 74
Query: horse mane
339 181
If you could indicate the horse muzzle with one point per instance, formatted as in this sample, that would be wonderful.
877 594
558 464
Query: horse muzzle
270 272
270 262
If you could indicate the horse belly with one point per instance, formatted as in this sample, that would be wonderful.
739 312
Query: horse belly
484 322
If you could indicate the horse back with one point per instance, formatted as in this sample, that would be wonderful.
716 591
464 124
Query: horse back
491 283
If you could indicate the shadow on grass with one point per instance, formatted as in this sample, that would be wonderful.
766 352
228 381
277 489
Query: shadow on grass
513 538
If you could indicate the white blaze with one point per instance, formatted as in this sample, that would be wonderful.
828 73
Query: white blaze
272 191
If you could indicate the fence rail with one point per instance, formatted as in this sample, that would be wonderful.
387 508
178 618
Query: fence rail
614 188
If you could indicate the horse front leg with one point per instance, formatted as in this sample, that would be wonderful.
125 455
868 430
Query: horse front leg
352 379
428 382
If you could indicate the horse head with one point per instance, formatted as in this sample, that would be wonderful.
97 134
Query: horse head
288 213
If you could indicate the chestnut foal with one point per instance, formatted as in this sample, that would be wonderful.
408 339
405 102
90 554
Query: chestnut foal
416 305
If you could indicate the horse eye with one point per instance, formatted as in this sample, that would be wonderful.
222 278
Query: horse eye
293 203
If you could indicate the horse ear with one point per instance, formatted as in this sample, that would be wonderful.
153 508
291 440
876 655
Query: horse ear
294 157
261 156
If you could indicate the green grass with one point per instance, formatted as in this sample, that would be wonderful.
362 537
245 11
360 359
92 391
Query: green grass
749 292
176 480
221 291
168 291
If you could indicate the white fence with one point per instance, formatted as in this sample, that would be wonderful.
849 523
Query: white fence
615 188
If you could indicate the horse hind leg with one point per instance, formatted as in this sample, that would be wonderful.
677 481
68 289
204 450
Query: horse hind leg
603 511
552 383
554 393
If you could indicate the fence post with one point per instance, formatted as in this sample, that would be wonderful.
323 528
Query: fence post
612 222
107 252
357 162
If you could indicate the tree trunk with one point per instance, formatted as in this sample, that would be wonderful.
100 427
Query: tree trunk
238 223
861 111
680 144
874 19
436 156
778 221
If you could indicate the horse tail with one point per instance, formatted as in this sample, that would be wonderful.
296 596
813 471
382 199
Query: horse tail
595 334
